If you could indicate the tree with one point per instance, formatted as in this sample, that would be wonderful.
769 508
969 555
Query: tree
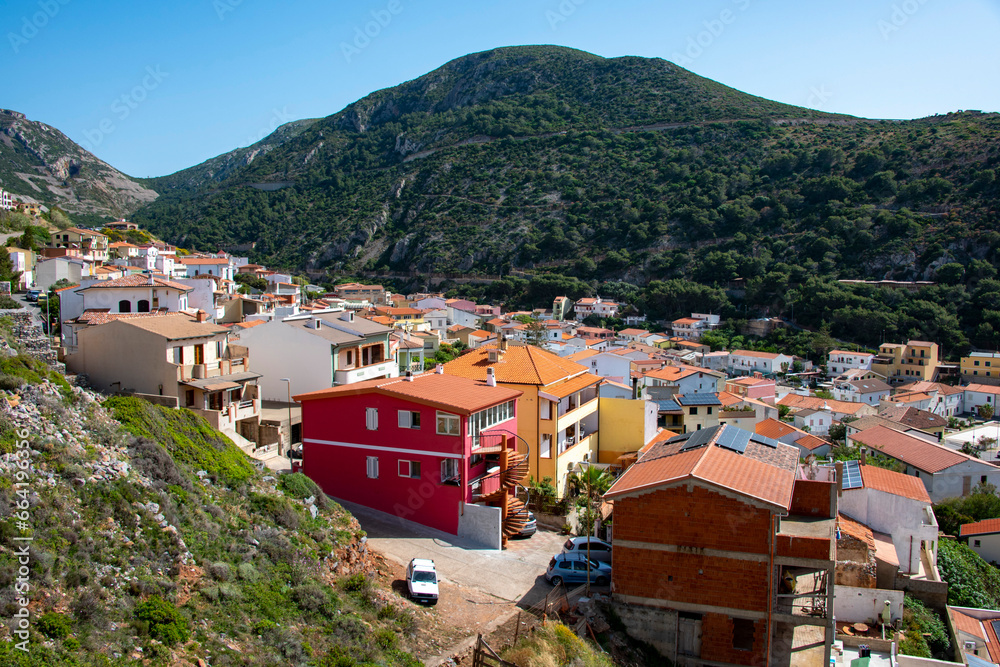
986 411
590 485
536 333
7 271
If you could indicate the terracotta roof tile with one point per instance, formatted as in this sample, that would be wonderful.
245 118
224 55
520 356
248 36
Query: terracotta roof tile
985 527
858 531
761 473
772 428
137 280
813 403
914 417
519 364
982 388
913 451
450 392
97 317
176 326
752 353
811 442
564 388
967 624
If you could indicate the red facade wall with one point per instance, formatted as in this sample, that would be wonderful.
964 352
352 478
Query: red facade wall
812 498
691 578
699 519
341 471
794 546
717 641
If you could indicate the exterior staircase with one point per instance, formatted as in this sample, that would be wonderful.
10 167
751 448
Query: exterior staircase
512 474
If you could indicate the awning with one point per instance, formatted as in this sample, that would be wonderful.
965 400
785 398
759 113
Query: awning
219 382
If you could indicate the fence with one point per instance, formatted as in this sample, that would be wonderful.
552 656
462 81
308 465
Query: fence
485 656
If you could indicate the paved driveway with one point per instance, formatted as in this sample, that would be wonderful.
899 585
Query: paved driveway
509 574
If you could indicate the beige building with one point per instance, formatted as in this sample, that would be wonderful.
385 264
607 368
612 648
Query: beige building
174 360
981 367
92 245
915 360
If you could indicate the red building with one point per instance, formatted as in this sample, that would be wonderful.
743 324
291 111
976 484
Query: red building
433 448
724 550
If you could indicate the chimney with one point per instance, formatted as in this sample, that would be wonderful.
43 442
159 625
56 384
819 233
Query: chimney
201 315
409 376
439 369
347 316
839 465
864 455
491 378
503 343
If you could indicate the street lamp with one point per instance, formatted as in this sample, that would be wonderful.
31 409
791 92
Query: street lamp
289 382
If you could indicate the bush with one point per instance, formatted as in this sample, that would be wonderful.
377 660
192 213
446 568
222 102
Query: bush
53 625
299 486
162 620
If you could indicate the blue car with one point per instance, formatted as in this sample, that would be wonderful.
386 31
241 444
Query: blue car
574 569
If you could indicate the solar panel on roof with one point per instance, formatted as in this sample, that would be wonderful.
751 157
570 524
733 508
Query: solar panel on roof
764 440
699 399
698 439
667 406
852 475
734 439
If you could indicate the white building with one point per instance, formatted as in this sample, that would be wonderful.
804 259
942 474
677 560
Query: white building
595 306
975 395
746 362
318 351
983 537
816 422
861 391
895 505
841 361
6 201
214 266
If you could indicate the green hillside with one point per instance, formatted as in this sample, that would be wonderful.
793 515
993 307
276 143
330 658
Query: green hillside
546 159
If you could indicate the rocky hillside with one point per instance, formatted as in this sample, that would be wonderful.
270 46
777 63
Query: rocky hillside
551 159
38 163
154 540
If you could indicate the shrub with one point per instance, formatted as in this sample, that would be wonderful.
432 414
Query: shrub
219 571
164 622
53 625
299 486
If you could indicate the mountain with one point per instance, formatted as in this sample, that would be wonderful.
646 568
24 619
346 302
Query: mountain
552 161
41 164
368 185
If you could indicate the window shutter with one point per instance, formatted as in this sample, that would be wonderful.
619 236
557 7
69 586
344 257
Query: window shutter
371 418
404 418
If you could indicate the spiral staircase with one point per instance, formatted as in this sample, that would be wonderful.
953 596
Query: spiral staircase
511 476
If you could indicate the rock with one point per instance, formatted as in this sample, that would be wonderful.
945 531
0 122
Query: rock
79 481
313 511
310 500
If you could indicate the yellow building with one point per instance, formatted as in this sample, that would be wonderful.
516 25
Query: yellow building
557 413
92 245
916 360
979 365
620 431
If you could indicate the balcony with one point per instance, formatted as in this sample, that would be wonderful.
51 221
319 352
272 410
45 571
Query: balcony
364 372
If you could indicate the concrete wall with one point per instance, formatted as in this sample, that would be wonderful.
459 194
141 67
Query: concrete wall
626 425
900 517
864 605
278 350
656 627
118 357
913 661
481 524
951 483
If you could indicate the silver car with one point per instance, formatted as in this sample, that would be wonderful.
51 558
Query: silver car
599 549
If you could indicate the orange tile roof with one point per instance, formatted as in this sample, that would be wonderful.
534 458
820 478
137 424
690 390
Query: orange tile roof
752 353
985 527
248 325
450 392
967 624
913 451
479 333
858 531
924 385
632 332
749 381
982 388
102 316
811 442
673 373
769 481
564 388
199 261
583 354
176 326
848 352
813 403
686 320
727 398
772 428
137 280
519 364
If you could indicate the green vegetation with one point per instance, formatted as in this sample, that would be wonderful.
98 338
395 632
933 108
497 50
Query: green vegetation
972 582
872 457
925 634
981 504
562 198
555 644
161 620
187 437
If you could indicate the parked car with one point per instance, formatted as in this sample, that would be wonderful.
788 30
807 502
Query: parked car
32 295
599 549
574 569
422 581
530 528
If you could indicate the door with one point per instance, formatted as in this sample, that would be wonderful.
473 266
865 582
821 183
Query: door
199 354
689 635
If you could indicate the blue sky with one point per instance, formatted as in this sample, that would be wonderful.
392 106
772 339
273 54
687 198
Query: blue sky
152 88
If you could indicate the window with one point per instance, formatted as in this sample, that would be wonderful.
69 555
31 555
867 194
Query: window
372 464
371 419
124 306
546 449
409 419
544 409
178 355
448 424
142 306
188 396
449 471
743 634
409 469
692 411
349 358
975 543
982 480
709 410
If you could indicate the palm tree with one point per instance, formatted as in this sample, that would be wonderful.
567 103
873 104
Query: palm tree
590 485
